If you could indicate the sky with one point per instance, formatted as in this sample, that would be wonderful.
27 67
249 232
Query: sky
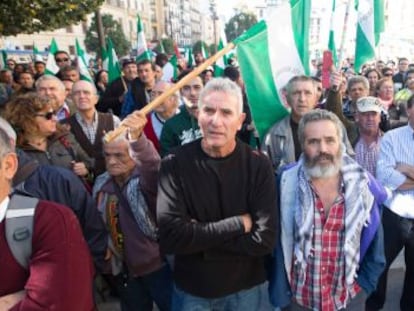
225 8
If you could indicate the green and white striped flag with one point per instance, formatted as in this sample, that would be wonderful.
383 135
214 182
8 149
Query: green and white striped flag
170 71
269 57
82 65
3 59
142 50
221 63
37 55
370 24
51 67
114 69
189 56
204 51
331 42
161 47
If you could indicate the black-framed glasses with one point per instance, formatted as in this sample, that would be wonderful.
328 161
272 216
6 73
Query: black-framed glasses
60 60
48 115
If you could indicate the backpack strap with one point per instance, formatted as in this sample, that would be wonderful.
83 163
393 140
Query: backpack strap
19 227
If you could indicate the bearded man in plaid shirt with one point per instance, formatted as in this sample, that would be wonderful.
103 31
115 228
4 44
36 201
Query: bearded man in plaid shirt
331 244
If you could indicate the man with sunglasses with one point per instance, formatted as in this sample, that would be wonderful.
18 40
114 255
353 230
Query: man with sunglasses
59 272
62 59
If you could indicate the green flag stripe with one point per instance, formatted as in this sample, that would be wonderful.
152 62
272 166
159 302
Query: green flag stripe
364 51
265 104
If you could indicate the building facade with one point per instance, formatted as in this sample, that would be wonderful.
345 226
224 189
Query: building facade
123 11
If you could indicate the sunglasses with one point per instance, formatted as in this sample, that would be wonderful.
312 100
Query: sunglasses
60 60
48 115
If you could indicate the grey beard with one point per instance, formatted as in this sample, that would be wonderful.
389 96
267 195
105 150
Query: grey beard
319 171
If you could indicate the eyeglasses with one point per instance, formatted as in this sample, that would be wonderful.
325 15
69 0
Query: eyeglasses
60 60
48 115
388 74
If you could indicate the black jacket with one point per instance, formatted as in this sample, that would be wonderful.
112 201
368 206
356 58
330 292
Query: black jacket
109 101
60 185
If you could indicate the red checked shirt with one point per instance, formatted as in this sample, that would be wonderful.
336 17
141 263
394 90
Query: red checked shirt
324 288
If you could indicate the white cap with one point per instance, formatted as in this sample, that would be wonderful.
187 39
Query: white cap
369 103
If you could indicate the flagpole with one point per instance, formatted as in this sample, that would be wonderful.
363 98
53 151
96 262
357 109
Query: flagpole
160 99
344 31
124 84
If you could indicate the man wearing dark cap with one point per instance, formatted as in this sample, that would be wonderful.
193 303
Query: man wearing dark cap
40 68
115 92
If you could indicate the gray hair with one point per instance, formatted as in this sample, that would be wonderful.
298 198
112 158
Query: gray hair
49 78
94 90
301 78
8 129
222 85
176 94
358 79
319 115
6 145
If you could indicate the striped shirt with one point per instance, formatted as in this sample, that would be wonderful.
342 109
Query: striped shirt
324 285
63 112
367 155
397 146
90 129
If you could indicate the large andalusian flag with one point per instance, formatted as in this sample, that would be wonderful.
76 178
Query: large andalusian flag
82 65
270 54
331 42
369 26
51 66
142 50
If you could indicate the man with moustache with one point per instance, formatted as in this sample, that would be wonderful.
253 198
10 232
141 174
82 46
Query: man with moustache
329 208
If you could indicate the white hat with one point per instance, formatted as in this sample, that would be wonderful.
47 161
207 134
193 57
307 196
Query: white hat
369 103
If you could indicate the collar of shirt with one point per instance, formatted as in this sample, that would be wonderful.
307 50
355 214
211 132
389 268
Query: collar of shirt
80 119
63 112
377 141
3 207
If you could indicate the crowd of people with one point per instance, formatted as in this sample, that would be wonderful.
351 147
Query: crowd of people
187 209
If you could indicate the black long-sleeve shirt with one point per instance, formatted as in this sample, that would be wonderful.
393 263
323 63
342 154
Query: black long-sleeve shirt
200 201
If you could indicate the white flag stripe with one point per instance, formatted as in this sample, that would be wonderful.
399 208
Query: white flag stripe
282 47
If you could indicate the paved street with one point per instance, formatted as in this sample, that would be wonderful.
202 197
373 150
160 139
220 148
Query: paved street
395 280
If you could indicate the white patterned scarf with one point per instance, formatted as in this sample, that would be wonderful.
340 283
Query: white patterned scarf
136 202
358 203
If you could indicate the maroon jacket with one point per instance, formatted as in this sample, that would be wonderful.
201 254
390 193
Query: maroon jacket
61 268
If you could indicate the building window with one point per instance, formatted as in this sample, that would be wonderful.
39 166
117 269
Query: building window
69 29
27 47
71 49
